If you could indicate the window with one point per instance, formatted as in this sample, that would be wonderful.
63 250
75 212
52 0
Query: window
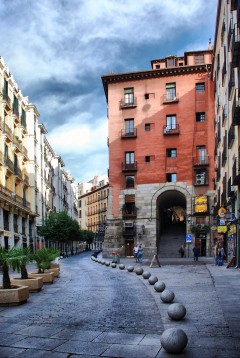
130 181
157 66
171 177
129 126
129 157
15 105
129 95
200 87
171 122
199 59
147 127
147 158
171 91
6 152
170 62
200 117
171 153
201 154
146 96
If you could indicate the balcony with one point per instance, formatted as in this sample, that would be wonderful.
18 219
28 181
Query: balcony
224 156
201 161
26 178
224 71
235 47
17 144
169 98
170 130
231 84
17 172
129 103
129 231
9 164
230 188
231 136
129 167
236 109
7 130
129 133
25 152
129 213
7 100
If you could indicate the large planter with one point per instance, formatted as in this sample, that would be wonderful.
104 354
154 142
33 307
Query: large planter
56 271
48 277
14 296
34 283
55 264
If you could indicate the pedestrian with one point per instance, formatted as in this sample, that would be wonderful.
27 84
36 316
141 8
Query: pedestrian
181 251
135 252
220 256
140 253
196 252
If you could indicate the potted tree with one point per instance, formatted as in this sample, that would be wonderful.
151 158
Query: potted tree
43 258
11 294
20 265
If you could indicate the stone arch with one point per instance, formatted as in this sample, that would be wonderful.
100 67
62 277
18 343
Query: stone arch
172 203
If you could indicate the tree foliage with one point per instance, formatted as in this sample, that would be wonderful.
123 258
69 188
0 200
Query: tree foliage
60 227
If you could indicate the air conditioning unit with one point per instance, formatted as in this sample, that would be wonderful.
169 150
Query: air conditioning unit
128 224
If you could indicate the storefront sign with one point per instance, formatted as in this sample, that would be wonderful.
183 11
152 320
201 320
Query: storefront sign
222 212
222 228
201 204
232 229
188 238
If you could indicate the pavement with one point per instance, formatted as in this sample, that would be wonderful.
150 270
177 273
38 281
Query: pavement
93 310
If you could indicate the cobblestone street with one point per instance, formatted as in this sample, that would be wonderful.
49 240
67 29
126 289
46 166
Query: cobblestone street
92 310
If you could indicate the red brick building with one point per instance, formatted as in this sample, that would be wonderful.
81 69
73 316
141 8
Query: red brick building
161 156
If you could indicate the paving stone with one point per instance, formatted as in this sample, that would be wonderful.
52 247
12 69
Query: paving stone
109 337
83 348
39 343
78 335
8 352
131 351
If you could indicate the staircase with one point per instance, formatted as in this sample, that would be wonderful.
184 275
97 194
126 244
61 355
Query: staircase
171 240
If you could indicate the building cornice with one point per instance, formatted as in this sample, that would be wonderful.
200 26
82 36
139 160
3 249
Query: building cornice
165 72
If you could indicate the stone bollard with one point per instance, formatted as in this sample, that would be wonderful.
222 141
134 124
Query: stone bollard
177 311
113 265
103 262
107 263
121 267
146 275
167 296
159 286
130 268
174 340
152 280
139 270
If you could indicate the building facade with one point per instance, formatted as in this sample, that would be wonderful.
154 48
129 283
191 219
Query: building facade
93 201
161 156
226 78
33 181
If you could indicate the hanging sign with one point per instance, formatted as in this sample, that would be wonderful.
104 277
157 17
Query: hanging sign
222 212
201 204
222 228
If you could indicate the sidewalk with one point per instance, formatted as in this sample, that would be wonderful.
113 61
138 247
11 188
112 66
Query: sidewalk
211 295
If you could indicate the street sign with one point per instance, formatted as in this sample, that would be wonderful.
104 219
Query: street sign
188 238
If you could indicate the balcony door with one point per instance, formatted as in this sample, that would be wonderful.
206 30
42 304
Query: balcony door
201 154
129 126
128 95
171 122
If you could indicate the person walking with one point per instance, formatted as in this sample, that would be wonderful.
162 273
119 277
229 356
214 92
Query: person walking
196 252
220 256
135 252
181 251
140 253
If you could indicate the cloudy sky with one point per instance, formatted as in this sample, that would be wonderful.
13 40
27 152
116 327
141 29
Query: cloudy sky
57 51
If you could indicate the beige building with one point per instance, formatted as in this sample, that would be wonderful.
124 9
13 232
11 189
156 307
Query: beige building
33 181
227 120
92 207
17 210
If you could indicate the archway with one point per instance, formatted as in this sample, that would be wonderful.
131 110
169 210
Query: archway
171 222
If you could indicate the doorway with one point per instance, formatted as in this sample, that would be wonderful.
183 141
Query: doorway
129 244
